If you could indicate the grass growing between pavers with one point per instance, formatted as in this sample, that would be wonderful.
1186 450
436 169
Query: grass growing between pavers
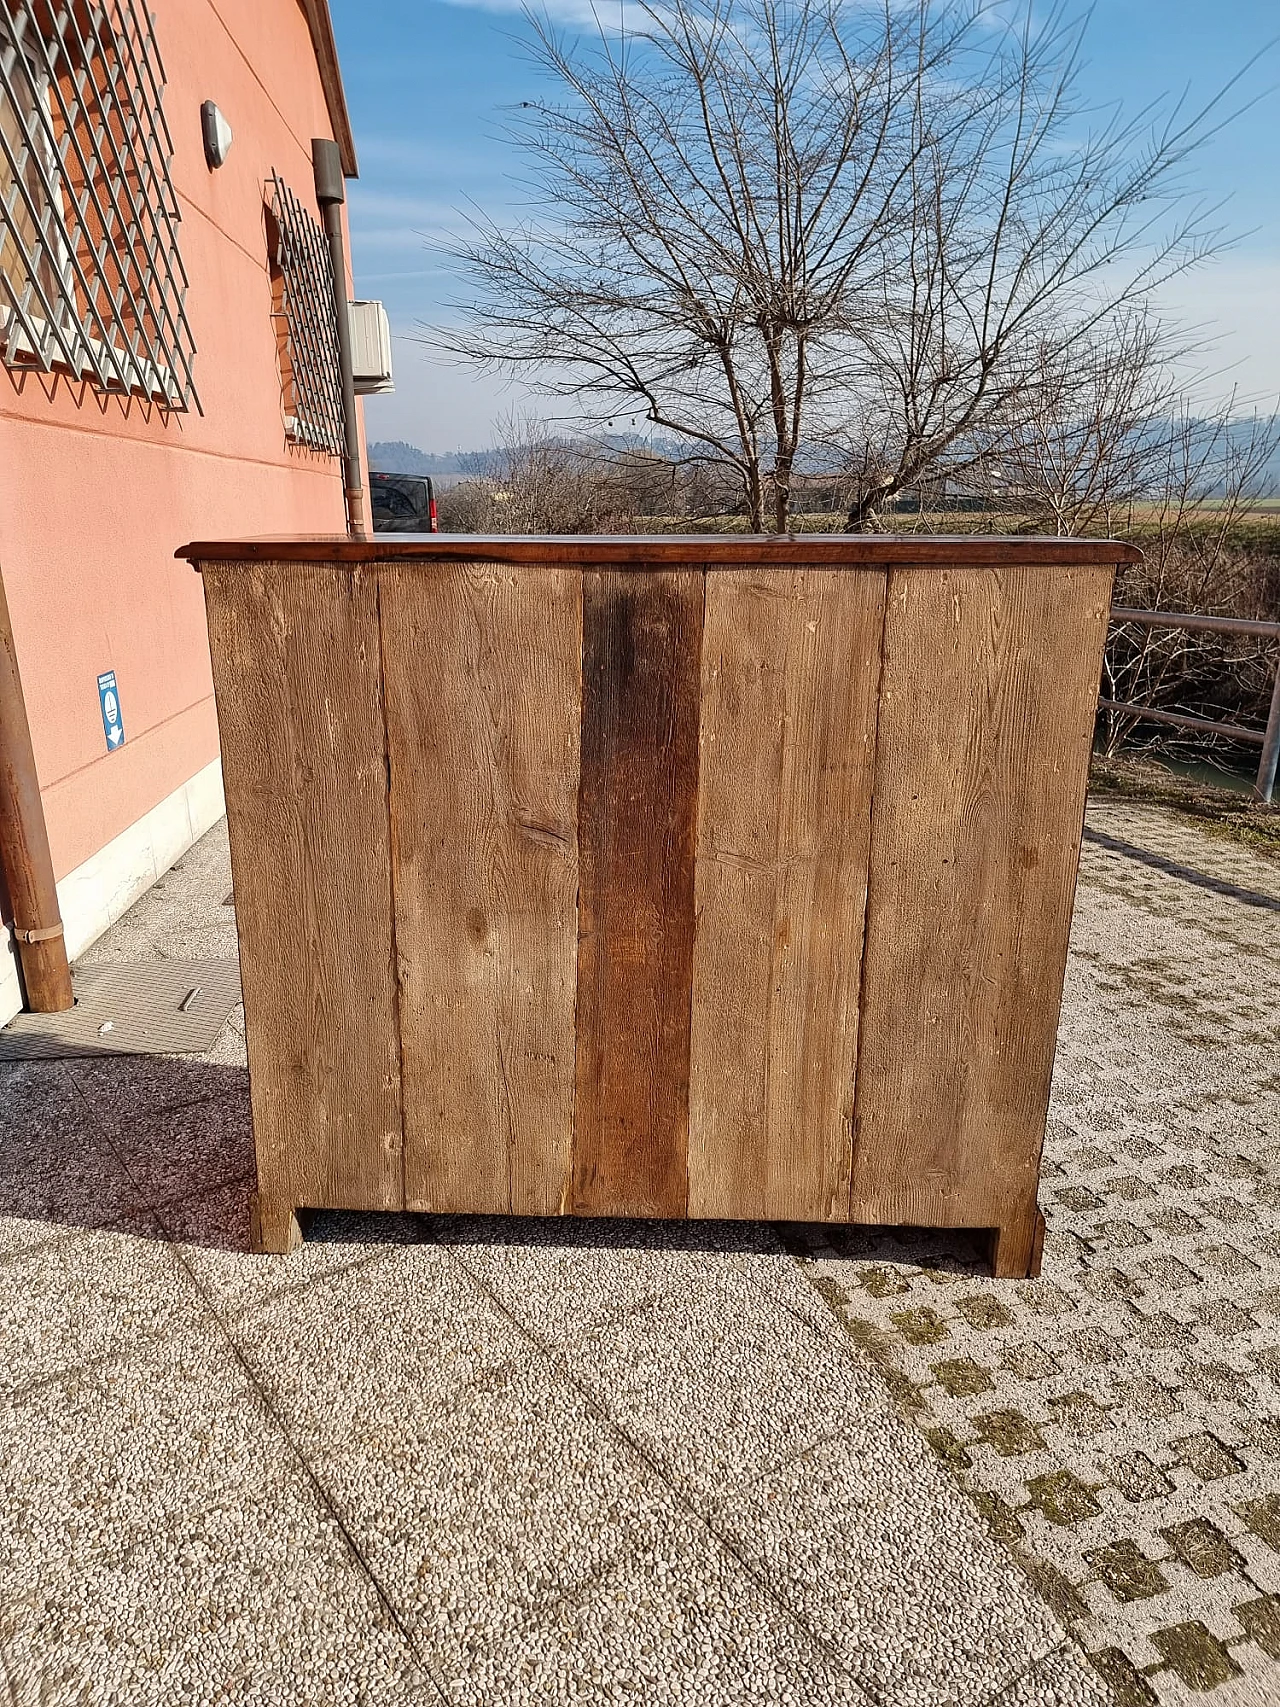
1217 811
1117 1423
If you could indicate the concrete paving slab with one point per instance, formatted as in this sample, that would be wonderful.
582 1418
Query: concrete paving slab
57 1170
526 1543
212 1230
677 1628
160 1542
193 1146
120 1091
866 1546
68 1303
1062 1680
675 1369
561 1278
668 1342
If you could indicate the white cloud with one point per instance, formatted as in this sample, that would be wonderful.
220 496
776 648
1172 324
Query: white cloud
608 14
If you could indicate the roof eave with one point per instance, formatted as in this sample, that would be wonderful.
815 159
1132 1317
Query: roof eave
320 25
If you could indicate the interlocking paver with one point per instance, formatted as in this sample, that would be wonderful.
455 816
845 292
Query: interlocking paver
1144 1362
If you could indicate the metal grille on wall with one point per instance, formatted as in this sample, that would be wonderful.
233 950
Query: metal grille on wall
306 337
91 280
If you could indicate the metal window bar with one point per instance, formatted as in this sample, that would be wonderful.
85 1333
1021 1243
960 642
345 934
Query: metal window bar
91 277
1268 739
314 409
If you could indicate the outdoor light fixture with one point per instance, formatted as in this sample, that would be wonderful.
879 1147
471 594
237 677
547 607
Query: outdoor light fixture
217 135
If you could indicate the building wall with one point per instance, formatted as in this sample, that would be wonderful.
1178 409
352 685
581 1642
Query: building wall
96 493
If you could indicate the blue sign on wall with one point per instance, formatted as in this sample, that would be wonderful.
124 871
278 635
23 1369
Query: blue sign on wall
112 721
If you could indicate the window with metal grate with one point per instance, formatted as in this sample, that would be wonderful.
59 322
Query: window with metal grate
302 310
91 279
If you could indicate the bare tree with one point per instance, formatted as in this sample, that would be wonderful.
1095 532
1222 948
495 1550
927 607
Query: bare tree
1107 429
532 481
801 231
537 481
1189 516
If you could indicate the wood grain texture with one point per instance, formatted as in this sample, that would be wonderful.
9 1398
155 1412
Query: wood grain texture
640 552
987 701
636 829
296 671
790 675
482 694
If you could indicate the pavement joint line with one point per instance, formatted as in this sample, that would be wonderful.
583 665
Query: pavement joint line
374 1257
699 1518
277 1421
322 1494
804 1262
118 1222
830 1335
1003 1691
207 1188
74 1375
160 1108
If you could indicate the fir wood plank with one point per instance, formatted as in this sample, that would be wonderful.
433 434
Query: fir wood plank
482 693
987 703
642 639
638 554
295 662
790 675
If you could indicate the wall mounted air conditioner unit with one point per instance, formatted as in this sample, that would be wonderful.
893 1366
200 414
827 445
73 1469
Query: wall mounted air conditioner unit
371 348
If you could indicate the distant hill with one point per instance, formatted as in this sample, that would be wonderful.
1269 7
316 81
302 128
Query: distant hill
395 456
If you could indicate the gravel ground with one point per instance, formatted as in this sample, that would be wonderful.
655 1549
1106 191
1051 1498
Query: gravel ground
471 1461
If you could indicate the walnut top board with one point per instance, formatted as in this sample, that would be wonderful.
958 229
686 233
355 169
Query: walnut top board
727 551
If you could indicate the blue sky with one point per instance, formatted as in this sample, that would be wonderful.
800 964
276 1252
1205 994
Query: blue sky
427 83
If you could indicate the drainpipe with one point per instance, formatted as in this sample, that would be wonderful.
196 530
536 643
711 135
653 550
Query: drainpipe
326 162
24 845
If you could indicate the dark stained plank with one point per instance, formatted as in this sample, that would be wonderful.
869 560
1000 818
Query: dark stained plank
638 553
642 638
790 675
295 662
987 703
482 695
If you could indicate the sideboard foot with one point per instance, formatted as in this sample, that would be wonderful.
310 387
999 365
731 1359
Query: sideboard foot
274 1226
1018 1247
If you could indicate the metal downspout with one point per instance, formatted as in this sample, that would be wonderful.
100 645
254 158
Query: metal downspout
24 845
326 161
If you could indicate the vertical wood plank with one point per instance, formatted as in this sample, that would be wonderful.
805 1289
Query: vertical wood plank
791 665
988 695
482 669
642 639
295 659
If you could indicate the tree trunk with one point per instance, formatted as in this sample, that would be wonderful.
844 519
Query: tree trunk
755 500
782 496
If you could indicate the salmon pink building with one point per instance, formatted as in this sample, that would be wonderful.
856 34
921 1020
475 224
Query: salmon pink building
169 369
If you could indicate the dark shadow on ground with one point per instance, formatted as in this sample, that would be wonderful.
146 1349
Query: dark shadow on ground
1188 874
948 1250
164 1145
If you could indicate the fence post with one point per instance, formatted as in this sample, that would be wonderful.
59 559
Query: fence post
1262 789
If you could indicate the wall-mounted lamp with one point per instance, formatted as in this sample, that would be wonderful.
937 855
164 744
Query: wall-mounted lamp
217 135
